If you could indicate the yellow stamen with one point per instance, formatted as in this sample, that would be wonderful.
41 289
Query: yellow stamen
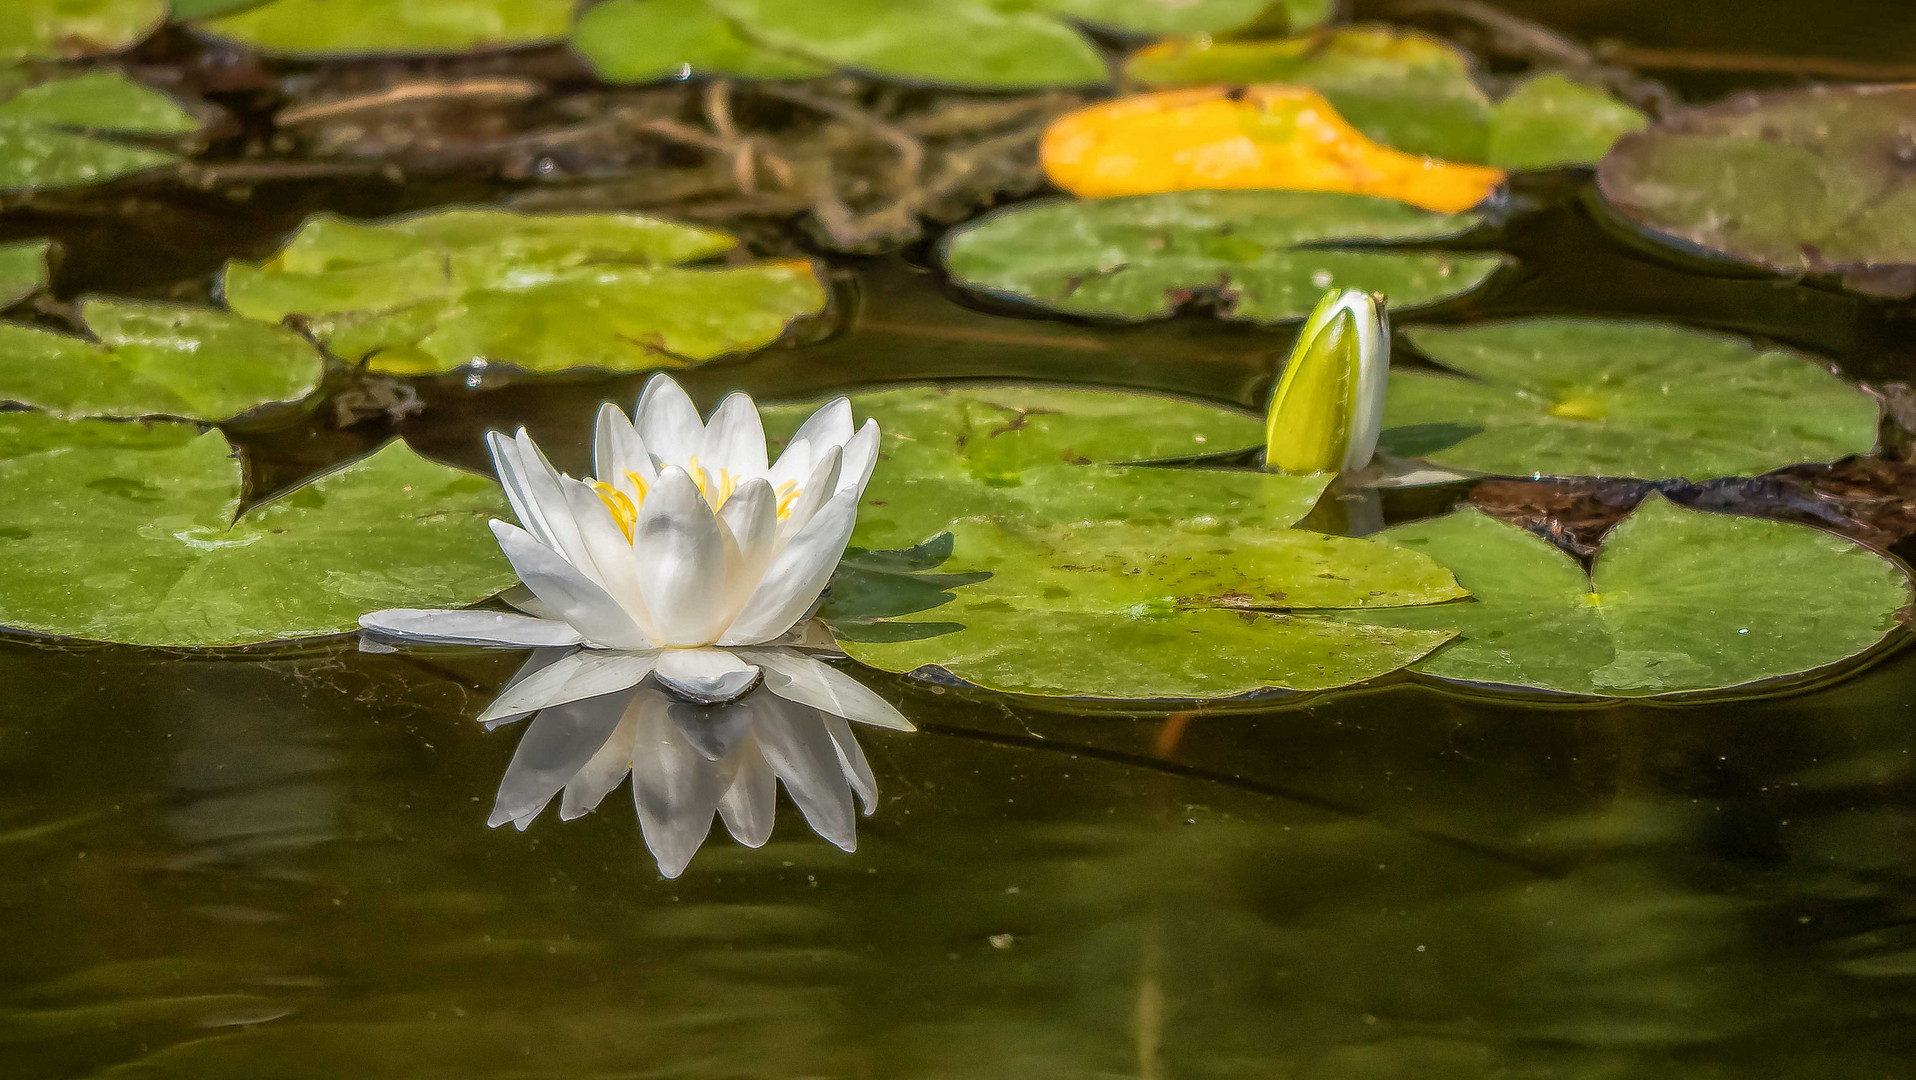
787 495
698 476
623 512
715 491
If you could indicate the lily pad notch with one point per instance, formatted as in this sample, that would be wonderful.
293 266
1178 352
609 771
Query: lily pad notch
1619 397
1678 601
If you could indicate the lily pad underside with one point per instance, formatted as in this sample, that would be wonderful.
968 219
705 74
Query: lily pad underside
1679 601
1592 397
1260 256
155 359
132 533
439 291
1813 181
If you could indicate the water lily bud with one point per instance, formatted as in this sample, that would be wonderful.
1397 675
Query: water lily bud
1329 405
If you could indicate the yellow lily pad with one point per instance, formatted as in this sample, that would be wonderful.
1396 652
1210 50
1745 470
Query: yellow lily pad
1264 137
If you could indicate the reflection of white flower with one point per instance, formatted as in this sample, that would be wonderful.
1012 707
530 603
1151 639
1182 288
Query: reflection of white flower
688 762
687 548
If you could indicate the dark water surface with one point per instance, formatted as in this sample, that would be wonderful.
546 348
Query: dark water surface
277 866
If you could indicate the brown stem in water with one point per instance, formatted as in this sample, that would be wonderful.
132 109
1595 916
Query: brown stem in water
1804 67
412 93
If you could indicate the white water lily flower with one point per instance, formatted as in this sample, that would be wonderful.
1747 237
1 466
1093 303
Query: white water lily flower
687 548
689 763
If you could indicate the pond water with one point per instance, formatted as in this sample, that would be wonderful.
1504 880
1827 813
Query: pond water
276 864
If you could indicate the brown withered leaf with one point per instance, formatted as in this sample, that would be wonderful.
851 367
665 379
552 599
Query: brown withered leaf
1869 499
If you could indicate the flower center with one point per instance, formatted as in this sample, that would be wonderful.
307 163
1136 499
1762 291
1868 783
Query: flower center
625 509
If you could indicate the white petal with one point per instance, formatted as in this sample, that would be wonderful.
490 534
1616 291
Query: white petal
524 599
499 629
792 466
610 553
547 487
707 676
681 561
734 439
801 571
831 425
512 477
796 677
861 456
568 592
819 487
597 777
668 422
617 450
584 674
553 750
675 790
750 518
1373 377
798 748
851 757
750 804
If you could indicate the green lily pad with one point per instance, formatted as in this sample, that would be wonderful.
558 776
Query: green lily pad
132 533
1800 181
1678 601
156 360
1133 611
195 9
360 27
1266 256
1550 121
638 41
68 29
58 134
1064 573
100 101
1024 452
946 42
23 270
541 292
1401 88
1409 91
1185 16
1591 397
